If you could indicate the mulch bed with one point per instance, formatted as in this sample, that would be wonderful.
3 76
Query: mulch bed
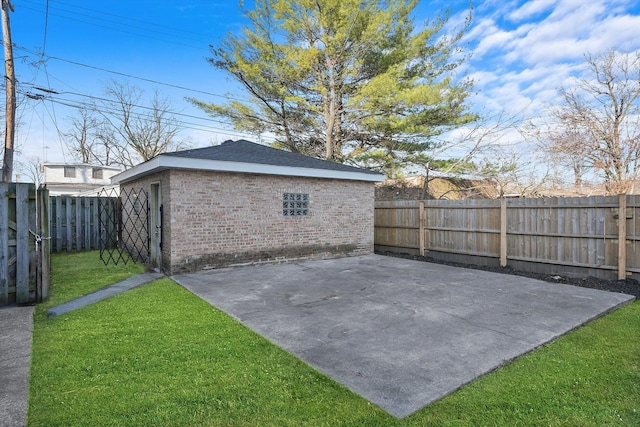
628 286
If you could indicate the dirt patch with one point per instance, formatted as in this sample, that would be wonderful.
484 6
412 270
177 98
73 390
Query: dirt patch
628 286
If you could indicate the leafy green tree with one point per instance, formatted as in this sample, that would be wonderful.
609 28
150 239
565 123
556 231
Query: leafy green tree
349 80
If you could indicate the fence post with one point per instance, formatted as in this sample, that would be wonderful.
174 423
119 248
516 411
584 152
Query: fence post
45 245
4 244
503 232
421 228
22 243
622 236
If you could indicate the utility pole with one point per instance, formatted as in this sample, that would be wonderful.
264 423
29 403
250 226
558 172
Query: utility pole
10 113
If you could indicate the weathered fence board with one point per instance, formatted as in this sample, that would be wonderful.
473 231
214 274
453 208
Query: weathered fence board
44 246
24 271
590 235
22 243
4 244
74 223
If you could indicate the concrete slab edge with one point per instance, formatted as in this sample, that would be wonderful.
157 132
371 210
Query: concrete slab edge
104 293
505 362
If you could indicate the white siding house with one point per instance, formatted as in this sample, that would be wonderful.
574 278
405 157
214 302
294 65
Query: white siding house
72 179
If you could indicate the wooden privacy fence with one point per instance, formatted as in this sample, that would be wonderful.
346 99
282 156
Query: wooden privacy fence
74 223
79 224
598 236
24 248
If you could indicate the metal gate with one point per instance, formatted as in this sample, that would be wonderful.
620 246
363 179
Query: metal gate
123 215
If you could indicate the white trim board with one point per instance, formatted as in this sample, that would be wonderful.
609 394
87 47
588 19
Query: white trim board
161 163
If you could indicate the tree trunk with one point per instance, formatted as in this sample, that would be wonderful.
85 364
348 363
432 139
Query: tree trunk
330 116
425 184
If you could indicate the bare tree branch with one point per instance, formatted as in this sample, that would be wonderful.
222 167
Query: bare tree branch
598 124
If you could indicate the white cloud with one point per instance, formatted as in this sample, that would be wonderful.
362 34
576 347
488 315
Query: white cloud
622 32
523 53
484 77
530 9
493 39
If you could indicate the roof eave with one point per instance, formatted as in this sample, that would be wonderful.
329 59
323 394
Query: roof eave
83 165
161 163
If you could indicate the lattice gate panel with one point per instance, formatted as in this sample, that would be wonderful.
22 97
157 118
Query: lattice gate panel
124 225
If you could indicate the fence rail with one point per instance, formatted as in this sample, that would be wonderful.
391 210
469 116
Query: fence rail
571 236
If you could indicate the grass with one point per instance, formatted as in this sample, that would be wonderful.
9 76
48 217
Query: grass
77 274
159 356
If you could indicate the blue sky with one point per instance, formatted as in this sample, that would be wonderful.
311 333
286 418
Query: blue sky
522 51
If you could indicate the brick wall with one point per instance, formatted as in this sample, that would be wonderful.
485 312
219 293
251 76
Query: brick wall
221 219
217 219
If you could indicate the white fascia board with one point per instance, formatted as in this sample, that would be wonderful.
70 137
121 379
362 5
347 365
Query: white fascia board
141 169
171 162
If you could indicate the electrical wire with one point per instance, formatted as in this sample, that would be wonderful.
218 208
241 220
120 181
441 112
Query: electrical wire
103 109
51 95
171 38
46 26
122 74
173 30
51 92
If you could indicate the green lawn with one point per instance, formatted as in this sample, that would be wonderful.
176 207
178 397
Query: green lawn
77 274
159 356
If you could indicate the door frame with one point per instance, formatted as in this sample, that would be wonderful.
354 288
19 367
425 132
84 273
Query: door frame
155 225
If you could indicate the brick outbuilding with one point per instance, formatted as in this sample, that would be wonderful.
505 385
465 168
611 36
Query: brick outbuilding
244 203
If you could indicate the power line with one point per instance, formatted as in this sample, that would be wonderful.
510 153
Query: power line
46 25
49 92
172 40
141 78
71 104
123 24
183 124
122 74
55 124
74 104
125 18
173 35
105 110
145 29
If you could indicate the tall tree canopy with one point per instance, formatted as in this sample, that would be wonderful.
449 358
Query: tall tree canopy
348 80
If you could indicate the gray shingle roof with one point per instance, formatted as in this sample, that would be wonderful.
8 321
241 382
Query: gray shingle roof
248 152
247 157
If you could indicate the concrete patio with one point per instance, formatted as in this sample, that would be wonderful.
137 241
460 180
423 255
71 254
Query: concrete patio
400 333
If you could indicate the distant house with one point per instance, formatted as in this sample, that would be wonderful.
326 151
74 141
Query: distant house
73 179
244 203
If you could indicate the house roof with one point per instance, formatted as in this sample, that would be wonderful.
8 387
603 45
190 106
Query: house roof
81 165
248 157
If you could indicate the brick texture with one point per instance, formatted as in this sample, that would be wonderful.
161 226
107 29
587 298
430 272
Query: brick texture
217 219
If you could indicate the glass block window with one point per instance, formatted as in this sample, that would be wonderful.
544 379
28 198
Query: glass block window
96 173
295 204
69 172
